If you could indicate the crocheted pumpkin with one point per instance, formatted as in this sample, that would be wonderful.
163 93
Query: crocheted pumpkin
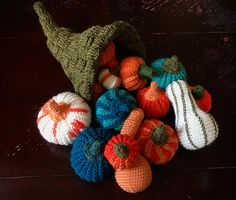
80 53
87 158
202 97
113 107
107 55
158 141
168 70
133 173
153 101
109 80
195 128
121 151
98 90
63 117
134 73
135 179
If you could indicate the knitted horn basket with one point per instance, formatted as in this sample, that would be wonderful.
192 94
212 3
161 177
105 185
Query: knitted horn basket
78 53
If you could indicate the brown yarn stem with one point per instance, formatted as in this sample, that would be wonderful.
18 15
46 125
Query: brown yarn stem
152 93
172 64
159 135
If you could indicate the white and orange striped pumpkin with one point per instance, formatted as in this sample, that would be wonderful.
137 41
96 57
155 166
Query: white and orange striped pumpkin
63 117
108 80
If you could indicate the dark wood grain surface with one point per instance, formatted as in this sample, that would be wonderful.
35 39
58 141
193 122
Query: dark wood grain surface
201 32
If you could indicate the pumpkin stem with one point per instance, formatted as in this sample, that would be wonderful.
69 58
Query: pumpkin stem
159 135
198 92
152 92
146 71
172 64
121 150
57 111
96 148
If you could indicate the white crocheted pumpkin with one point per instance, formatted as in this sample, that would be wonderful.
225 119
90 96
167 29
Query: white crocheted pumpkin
108 80
63 117
195 128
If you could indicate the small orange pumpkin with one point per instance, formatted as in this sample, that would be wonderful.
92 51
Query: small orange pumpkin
158 141
134 73
202 97
153 101
107 55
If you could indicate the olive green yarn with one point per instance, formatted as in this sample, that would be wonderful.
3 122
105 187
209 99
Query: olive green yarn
159 135
198 92
121 150
78 53
146 72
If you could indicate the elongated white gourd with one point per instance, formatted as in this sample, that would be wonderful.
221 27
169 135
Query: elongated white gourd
196 128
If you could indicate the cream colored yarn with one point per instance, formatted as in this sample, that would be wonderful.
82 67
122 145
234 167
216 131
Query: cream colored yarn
195 128
63 117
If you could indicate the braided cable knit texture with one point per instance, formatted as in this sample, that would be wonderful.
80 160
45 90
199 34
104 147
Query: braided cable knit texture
195 128
63 117
113 107
87 157
78 53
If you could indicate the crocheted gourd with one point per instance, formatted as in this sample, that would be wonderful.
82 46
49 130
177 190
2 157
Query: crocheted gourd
79 53
158 141
87 158
108 80
98 90
168 70
113 107
134 73
153 101
202 97
63 117
133 173
195 128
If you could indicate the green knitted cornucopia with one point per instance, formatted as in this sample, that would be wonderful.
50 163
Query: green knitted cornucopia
78 53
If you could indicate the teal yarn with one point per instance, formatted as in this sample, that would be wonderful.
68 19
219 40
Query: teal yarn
167 71
87 158
113 107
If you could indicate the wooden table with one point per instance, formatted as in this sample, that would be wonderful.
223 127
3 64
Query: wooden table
201 32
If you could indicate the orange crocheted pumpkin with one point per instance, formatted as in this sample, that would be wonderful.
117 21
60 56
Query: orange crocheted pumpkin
153 101
202 97
135 179
134 73
121 151
107 55
158 142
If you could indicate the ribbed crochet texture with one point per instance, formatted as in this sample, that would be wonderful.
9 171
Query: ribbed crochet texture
168 70
63 117
195 128
78 53
87 158
113 107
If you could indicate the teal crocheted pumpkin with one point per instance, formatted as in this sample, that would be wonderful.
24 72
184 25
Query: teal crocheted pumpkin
168 71
113 107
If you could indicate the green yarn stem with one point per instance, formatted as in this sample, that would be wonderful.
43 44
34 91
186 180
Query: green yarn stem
121 150
172 64
146 72
96 148
198 92
159 135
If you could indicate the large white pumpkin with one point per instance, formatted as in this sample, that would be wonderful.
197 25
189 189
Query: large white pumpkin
63 117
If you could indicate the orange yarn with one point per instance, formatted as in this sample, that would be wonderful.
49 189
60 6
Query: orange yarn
121 151
158 142
205 101
135 179
98 89
129 73
153 101
107 55
132 123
